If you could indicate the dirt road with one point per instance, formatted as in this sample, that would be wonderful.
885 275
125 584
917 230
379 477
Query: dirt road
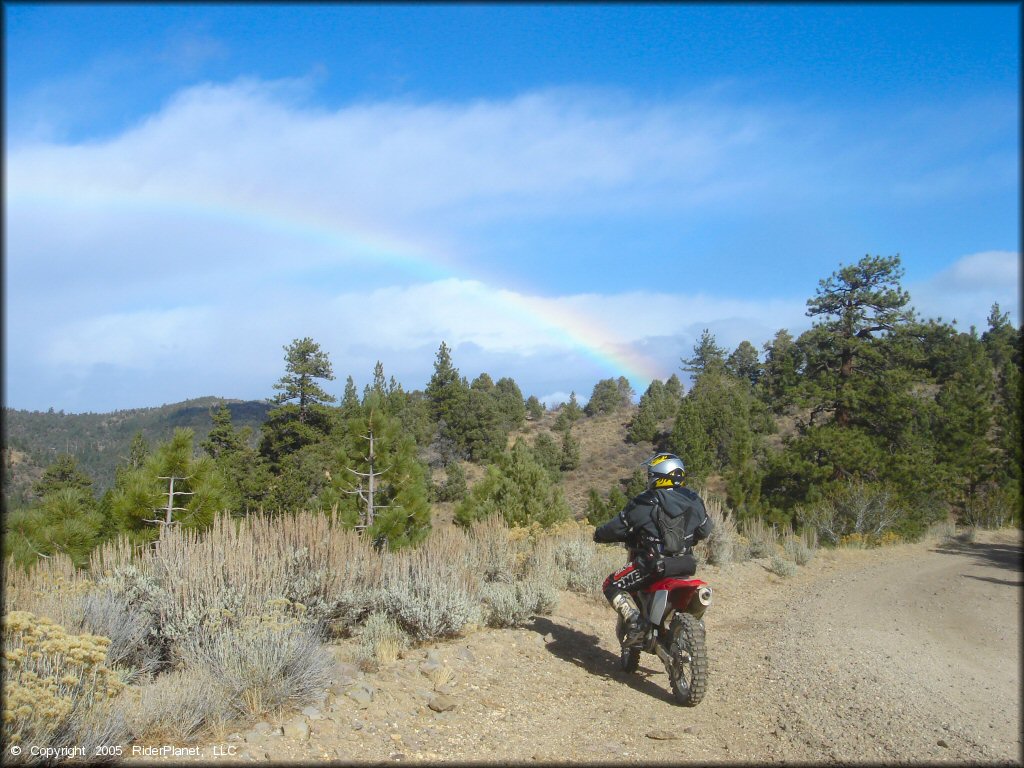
903 654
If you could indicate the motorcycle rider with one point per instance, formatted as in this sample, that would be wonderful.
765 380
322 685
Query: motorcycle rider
636 525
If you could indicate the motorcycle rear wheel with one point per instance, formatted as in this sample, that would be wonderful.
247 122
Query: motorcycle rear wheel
629 658
689 676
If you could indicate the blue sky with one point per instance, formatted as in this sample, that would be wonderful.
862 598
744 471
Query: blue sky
563 193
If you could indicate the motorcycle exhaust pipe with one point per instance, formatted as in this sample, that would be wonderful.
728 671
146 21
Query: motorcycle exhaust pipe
700 602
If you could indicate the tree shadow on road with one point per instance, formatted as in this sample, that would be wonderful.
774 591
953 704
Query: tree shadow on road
994 581
584 650
1006 556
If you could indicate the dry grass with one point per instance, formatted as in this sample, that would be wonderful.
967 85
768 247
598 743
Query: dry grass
763 539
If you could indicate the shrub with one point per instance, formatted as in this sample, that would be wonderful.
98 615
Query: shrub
380 640
511 605
762 539
720 548
943 530
52 682
492 552
855 512
265 663
327 573
176 706
992 507
800 549
782 567
428 590
574 558
134 650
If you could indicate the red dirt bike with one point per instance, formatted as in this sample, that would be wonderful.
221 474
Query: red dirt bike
672 611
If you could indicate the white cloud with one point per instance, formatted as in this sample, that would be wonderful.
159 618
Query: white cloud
966 290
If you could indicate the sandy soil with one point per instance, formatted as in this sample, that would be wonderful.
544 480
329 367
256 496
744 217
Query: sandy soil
906 654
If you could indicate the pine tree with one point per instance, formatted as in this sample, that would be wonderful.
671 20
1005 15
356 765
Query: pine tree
853 306
454 486
568 414
962 434
510 403
448 396
399 508
516 487
534 408
609 396
63 473
483 431
691 443
305 363
743 364
570 452
548 454
706 355
172 487
350 400
780 376
247 478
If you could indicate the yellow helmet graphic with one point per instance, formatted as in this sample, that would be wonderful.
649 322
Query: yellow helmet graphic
665 470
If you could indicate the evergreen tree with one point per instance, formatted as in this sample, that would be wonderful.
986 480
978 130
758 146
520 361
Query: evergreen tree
248 480
780 376
743 363
516 487
350 400
454 486
290 428
305 363
637 483
674 389
965 405
853 306
609 396
690 441
401 512
448 396
657 404
510 403
597 512
141 497
568 414
61 474
548 454
706 355
570 452
483 431
534 408
65 520
223 437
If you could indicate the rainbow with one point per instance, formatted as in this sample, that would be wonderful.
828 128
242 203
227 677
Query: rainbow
581 332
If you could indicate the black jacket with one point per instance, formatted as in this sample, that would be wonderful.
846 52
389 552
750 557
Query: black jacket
635 524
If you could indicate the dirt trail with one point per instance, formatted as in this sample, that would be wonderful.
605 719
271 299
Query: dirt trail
904 654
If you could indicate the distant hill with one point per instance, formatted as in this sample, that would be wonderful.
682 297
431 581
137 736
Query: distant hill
100 441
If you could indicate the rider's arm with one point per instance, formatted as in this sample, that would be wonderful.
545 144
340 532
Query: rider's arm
615 529
706 524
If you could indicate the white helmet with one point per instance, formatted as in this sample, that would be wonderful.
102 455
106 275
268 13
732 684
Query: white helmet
665 470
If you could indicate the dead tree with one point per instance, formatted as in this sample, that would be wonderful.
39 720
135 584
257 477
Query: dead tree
366 494
170 509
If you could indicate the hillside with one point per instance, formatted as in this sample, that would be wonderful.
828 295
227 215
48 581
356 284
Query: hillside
101 440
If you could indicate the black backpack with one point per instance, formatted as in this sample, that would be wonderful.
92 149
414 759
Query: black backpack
671 529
